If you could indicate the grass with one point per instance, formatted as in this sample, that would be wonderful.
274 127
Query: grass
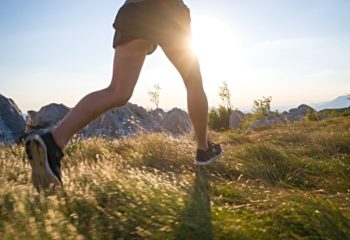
284 182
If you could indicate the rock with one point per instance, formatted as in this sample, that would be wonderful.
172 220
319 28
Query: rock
261 123
12 123
271 119
323 116
123 121
118 122
284 116
297 114
157 115
258 124
176 122
236 119
47 117
294 115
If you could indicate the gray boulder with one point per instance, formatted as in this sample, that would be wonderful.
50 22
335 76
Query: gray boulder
176 122
298 114
271 119
131 119
236 119
284 116
12 124
123 121
259 123
157 115
118 122
47 117
294 115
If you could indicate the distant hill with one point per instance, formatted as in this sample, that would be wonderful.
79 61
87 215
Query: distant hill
339 102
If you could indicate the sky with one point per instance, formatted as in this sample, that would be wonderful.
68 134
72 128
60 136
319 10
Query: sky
296 51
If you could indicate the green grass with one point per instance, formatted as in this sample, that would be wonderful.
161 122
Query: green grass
284 182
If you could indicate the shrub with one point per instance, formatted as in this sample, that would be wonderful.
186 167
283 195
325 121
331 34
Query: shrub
262 108
219 118
312 115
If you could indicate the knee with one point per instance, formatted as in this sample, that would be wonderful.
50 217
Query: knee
118 97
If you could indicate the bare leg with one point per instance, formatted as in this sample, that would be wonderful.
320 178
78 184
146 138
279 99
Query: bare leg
128 61
188 66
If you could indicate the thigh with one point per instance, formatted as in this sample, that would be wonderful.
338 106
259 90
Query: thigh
186 62
128 62
176 45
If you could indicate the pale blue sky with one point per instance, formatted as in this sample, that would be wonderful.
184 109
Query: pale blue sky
296 51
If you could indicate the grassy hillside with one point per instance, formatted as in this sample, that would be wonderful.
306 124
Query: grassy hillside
286 182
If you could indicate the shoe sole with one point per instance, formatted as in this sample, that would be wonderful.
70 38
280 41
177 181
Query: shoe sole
42 175
209 161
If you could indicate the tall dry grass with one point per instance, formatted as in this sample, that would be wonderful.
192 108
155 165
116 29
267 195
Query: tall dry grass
284 182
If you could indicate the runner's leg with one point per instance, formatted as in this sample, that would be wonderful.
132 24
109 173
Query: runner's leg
128 61
186 62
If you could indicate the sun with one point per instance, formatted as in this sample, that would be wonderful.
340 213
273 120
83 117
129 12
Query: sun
212 40
221 52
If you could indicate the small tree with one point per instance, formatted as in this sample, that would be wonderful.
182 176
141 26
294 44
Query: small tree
154 95
262 108
225 96
219 118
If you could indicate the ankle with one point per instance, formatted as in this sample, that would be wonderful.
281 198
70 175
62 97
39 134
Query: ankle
203 147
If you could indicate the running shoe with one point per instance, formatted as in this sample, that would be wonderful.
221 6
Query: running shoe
45 159
206 157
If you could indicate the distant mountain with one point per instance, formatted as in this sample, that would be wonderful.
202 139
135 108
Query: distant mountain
339 102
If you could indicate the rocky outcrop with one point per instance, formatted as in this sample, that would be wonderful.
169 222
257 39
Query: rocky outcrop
236 119
123 121
157 115
128 120
12 123
47 117
176 121
298 114
118 122
270 120
294 115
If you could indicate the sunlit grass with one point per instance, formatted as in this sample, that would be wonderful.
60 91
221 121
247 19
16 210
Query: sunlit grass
284 182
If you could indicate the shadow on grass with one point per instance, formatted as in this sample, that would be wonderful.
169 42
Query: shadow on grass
195 219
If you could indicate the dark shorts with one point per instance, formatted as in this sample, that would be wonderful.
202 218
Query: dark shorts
161 22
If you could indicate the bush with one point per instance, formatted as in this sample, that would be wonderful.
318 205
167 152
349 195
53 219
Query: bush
312 115
262 108
333 113
219 118
346 113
